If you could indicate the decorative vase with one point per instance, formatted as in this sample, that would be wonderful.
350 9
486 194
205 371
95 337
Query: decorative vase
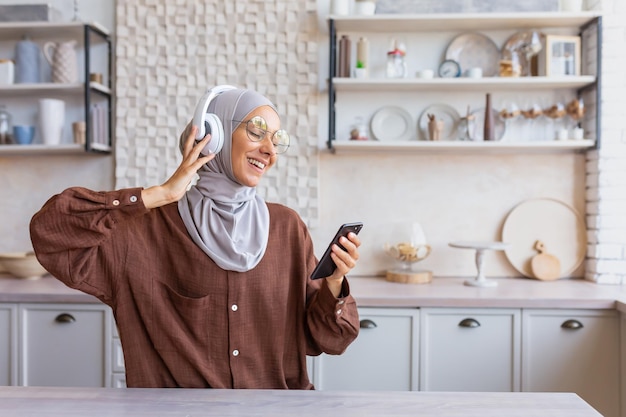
489 129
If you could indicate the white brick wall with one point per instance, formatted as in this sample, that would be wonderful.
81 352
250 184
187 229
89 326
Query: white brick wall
606 167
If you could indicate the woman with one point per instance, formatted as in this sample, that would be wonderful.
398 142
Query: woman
209 287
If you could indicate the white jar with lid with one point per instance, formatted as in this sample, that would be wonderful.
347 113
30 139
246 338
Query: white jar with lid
7 72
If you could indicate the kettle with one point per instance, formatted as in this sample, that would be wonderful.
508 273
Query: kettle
62 58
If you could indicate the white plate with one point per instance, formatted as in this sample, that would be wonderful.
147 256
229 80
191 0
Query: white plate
557 225
391 123
443 112
475 50
479 124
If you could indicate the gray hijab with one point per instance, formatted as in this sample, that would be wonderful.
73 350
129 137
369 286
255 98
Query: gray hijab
227 220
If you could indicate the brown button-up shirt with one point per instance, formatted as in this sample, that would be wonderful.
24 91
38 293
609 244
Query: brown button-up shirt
184 321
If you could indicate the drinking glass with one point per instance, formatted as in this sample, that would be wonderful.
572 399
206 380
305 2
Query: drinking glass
508 113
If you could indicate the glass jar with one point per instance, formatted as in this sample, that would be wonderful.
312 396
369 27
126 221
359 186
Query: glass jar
5 126
396 64
510 65
358 131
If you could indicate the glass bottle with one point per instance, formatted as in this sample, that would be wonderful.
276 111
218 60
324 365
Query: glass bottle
396 65
343 69
5 126
467 126
489 129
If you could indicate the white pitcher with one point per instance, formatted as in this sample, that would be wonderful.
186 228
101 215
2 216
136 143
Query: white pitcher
62 59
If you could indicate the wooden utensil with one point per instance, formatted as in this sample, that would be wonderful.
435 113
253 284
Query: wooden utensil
544 266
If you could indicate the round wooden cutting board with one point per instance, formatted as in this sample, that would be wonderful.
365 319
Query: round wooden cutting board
554 223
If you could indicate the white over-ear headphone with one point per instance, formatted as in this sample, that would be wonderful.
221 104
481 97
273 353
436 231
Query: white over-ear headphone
209 122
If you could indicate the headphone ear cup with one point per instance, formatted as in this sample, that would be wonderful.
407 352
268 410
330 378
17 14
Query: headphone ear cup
213 125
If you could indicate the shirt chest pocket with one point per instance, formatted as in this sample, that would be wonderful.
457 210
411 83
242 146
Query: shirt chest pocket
179 322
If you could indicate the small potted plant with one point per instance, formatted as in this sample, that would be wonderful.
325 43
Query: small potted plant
360 71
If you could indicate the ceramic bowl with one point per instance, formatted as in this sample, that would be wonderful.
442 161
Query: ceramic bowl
22 265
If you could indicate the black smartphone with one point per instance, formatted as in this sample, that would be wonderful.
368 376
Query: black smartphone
326 265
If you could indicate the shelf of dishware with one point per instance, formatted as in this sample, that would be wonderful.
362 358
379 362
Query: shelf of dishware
37 89
463 83
63 149
422 146
50 30
438 22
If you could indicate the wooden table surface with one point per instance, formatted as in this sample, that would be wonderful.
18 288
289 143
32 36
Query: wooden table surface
136 402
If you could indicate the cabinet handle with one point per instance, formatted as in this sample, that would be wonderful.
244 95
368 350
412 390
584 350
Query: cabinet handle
65 318
470 323
367 324
572 324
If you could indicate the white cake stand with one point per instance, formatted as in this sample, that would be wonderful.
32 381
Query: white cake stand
480 248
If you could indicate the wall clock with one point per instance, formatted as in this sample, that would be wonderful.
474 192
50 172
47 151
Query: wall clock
449 69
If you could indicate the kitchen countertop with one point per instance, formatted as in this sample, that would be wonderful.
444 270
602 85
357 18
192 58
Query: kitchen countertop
378 292
137 402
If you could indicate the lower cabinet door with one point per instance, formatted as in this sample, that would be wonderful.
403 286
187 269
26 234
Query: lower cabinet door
64 345
8 344
573 351
469 349
381 358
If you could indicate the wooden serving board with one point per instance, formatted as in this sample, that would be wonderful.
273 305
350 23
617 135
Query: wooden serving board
409 277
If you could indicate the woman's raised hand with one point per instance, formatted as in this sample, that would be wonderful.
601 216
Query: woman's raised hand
175 187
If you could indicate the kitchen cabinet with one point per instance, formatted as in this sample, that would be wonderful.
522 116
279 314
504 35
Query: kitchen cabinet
383 357
425 35
8 343
64 345
573 351
470 349
85 100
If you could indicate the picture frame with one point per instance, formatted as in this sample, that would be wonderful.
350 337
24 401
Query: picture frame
560 56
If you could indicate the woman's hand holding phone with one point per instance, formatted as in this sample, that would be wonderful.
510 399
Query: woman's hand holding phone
340 256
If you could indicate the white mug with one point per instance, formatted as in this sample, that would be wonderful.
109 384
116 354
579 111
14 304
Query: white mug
364 8
571 5
425 73
476 72
340 7
51 120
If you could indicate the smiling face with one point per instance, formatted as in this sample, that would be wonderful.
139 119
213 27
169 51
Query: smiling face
252 159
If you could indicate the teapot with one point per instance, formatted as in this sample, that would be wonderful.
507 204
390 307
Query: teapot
62 58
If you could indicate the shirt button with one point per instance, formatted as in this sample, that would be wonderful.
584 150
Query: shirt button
340 302
235 352
339 312
234 307
116 202
133 199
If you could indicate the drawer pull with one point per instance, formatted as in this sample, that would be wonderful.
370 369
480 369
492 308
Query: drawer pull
367 324
65 318
572 324
471 323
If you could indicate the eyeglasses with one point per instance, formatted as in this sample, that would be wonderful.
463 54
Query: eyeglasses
256 128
